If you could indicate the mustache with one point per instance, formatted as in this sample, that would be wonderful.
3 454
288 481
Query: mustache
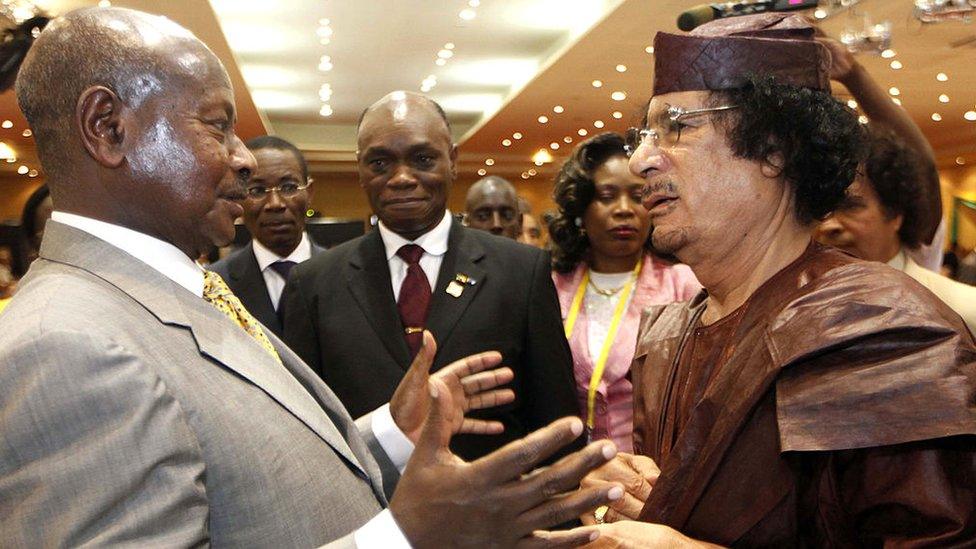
666 187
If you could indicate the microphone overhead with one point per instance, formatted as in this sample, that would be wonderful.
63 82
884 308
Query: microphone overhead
696 16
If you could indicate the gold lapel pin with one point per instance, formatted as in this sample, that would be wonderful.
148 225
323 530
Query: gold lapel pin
456 287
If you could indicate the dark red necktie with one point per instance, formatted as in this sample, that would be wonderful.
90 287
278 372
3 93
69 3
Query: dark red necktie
414 298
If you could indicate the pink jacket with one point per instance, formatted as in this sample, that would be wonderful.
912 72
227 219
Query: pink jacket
659 283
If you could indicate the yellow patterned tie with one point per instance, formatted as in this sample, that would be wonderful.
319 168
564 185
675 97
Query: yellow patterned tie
216 293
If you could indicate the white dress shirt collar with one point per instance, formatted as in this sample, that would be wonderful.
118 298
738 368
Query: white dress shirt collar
434 241
161 256
266 257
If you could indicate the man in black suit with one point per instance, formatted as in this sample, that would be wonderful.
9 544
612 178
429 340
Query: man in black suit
355 312
278 196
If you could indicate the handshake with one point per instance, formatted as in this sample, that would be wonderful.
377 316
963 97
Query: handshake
502 499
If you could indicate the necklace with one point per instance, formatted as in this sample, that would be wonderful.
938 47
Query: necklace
609 292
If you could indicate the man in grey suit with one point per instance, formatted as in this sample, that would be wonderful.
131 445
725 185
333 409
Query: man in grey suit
133 412
278 195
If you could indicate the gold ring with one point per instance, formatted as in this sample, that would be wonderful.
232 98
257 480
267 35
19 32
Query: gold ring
600 513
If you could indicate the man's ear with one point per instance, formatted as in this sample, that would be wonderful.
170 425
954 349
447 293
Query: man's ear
100 116
772 166
454 157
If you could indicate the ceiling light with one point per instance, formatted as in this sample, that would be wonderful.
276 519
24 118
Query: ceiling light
440 62
541 157
6 153
326 110
970 115
942 77
325 41
23 170
104 4
649 49
582 132
467 14
598 124
489 162
888 54
525 175
597 84
567 140
7 124
532 172
621 68
820 13
325 64
445 54
517 135
936 117
506 142
554 146
617 114
896 101
32 173
449 46
27 133
558 109
618 96
324 32
482 171
943 98
896 64
852 103
11 160
894 91
960 160
543 119
862 119
474 3
324 22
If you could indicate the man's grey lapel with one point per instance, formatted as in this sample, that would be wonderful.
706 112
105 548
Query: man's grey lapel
462 261
216 335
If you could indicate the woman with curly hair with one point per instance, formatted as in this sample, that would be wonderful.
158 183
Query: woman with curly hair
605 275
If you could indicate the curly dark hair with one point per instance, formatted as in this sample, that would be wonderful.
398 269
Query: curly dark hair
813 139
573 192
895 171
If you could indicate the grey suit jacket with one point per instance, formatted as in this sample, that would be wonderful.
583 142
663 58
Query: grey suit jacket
133 413
243 275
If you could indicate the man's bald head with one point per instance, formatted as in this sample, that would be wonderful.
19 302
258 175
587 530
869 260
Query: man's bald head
407 162
492 205
397 95
134 54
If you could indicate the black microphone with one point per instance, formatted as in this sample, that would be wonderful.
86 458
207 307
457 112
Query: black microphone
699 15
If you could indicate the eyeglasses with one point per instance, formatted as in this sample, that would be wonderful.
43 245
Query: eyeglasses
288 189
669 131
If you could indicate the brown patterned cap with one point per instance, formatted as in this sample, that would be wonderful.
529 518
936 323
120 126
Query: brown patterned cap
722 54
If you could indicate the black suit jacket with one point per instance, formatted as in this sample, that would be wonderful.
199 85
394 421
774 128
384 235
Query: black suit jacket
241 272
341 318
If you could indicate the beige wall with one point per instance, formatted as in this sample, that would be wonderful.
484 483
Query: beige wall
961 182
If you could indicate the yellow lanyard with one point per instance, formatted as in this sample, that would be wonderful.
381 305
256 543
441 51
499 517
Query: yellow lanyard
618 314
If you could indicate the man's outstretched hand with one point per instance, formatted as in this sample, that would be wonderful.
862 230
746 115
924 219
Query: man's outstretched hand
471 382
498 500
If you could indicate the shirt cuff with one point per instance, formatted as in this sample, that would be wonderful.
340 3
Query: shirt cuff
396 444
381 532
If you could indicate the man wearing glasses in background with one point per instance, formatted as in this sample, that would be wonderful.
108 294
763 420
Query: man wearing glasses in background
278 195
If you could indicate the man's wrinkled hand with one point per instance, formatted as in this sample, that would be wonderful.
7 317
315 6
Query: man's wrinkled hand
473 383
497 500
637 474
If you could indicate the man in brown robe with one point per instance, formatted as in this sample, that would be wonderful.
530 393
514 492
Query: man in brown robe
805 398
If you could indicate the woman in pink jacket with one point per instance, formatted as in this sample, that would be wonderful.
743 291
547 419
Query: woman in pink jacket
606 275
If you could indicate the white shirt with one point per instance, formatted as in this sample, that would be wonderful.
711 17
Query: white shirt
265 257
434 243
381 531
600 308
